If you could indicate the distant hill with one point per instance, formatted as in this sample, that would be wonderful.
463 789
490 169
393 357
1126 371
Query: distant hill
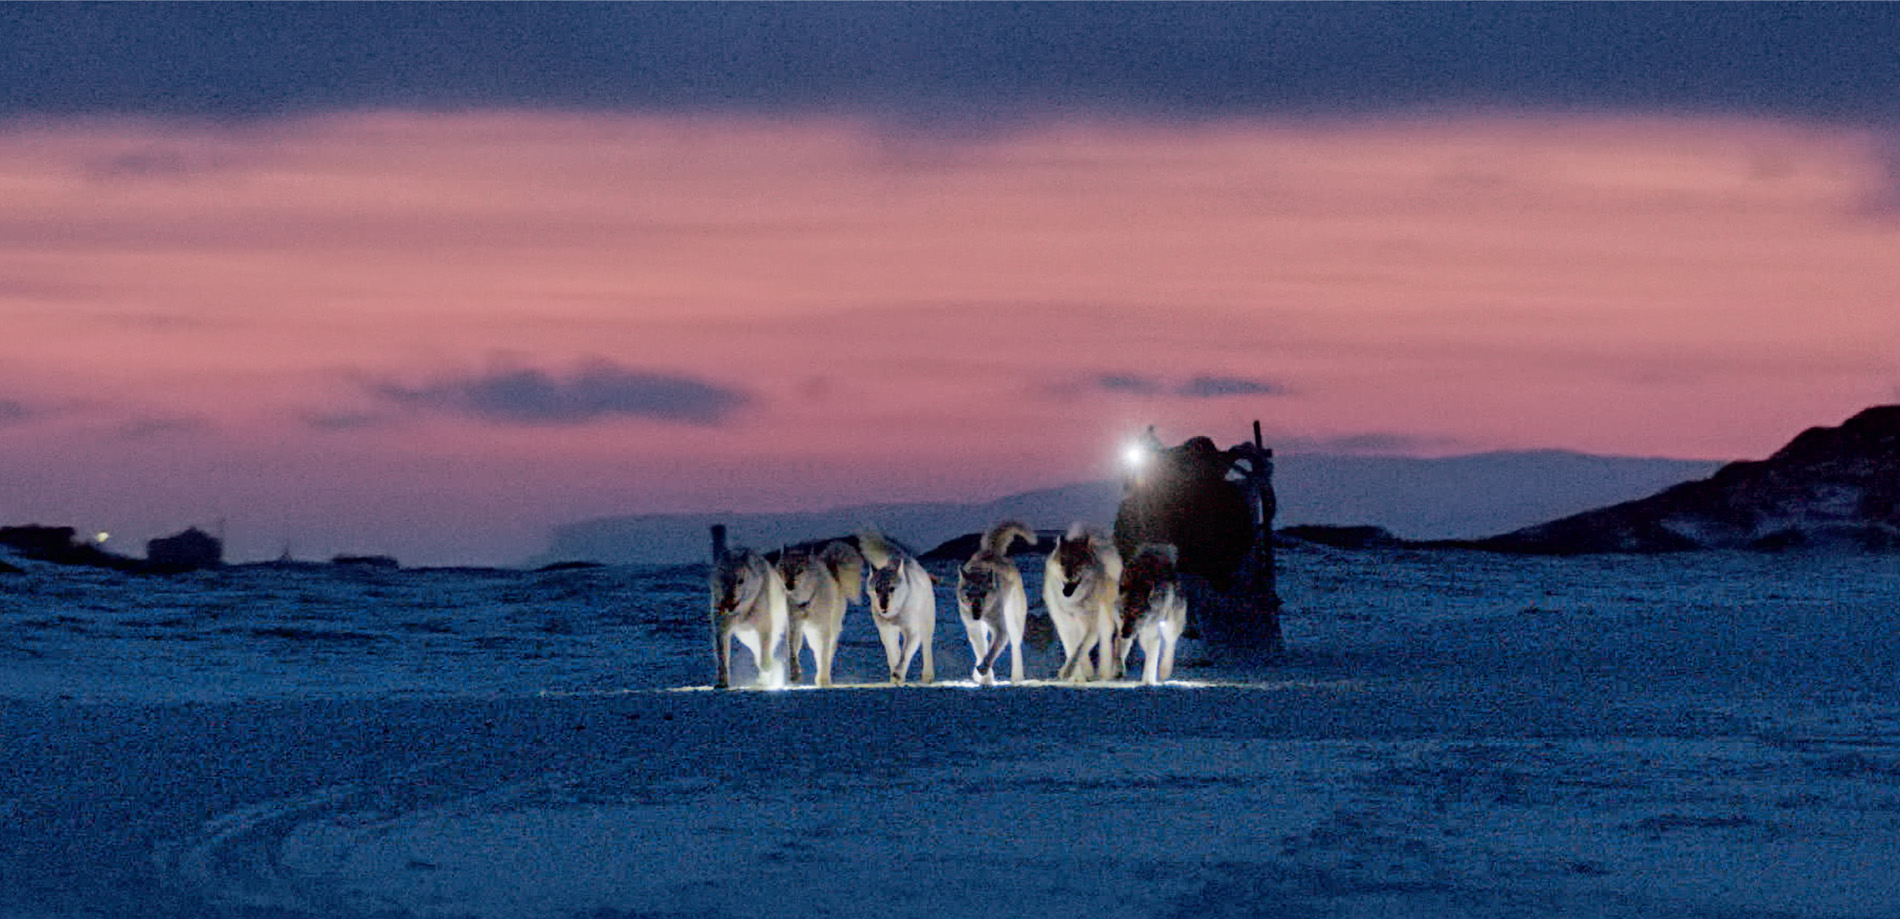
1828 486
1461 497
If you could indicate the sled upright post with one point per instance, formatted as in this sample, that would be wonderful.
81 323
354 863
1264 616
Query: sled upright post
1265 586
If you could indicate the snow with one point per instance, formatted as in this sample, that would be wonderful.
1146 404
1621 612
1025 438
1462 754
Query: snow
1707 735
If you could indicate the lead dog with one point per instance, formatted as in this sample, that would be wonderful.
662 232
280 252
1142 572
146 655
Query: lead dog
818 586
994 605
1152 609
903 605
748 603
1081 582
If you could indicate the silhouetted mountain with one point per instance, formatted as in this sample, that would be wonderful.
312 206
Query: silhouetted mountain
1828 486
1460 497
683 538
962 547
57 545
187 551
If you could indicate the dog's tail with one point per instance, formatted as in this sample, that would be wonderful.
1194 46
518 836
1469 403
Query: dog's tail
877 550
998 538
847 566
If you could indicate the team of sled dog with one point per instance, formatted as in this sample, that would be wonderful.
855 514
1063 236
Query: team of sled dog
1098 605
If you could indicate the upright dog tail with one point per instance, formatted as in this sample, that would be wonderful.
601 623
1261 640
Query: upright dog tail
847 566
877 550
997 539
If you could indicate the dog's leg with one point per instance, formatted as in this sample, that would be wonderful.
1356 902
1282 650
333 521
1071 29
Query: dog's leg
722 651
1082 660
916 644
1075 667
794 640
1067 670
1074 639
892 638
750 639
978 632
986 665
1103 643
1170 639
1098 649
926 638
1014 622
1150 653
1171 629
765 647
828 651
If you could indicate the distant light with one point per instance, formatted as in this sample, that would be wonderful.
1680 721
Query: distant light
101 536
1135 457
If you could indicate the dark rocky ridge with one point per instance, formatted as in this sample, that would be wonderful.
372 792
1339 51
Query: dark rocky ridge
187 551
58 545
1828 487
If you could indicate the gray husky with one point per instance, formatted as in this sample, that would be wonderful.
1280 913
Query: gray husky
1080 585
1153 609
748 603
818 585
903 605
994 605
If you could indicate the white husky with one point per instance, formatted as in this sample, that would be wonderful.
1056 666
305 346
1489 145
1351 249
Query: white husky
748 603
1153 609
1080 584
994 605
903 605
818 585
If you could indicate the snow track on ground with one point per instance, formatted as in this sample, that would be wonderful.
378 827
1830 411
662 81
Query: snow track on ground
1452 734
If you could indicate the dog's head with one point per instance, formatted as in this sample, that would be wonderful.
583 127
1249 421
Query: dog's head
1077 564
736 582
886 585
977 582
1145 582
1135 608
799 567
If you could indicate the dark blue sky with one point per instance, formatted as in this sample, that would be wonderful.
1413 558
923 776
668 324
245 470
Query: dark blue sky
956 62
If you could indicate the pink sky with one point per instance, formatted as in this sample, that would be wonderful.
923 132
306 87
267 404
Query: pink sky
288 325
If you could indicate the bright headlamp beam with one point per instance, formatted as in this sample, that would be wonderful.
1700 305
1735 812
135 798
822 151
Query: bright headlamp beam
1135 457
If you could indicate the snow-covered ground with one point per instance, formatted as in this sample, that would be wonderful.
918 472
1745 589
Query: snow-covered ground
1454 735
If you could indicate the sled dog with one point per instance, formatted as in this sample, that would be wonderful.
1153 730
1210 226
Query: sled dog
903 605
994 606
748 603
1080 584
1153 609
818 586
